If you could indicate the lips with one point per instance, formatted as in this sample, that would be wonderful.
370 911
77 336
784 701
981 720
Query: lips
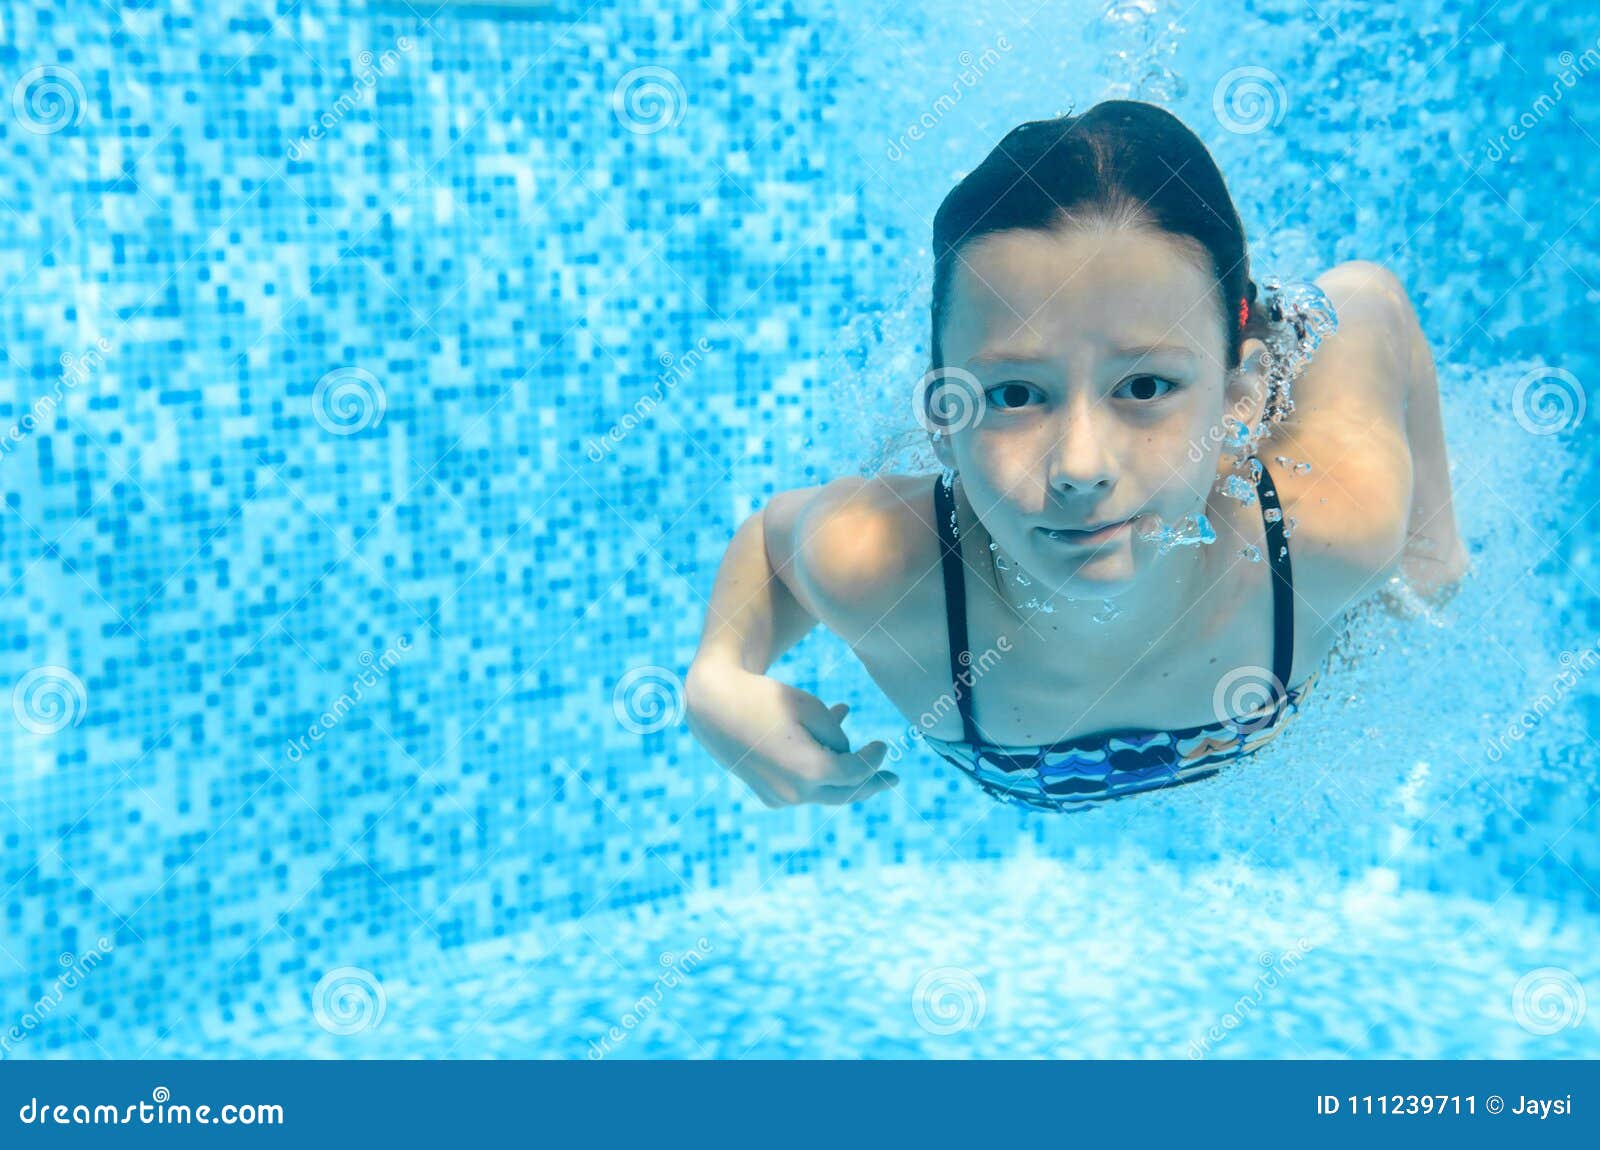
1102 533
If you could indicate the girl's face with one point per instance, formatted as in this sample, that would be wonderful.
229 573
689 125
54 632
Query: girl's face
1098 356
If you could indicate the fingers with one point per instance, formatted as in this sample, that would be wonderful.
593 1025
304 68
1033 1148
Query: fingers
838 796
823 722
857 766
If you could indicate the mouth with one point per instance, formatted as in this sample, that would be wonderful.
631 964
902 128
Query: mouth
1088 537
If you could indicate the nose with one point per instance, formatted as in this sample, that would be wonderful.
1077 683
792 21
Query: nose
1080 460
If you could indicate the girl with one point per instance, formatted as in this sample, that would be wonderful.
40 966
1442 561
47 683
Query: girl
1097 597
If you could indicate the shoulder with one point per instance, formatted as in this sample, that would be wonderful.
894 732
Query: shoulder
1352 505
853 549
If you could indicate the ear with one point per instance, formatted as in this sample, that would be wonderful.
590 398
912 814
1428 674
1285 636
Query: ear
953 400
1245 390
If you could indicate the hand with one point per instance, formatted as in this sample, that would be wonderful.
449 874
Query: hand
784 744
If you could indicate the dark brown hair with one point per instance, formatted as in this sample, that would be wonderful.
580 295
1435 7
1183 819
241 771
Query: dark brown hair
1122 160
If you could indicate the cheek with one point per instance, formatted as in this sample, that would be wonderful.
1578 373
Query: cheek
1180 453
1002 461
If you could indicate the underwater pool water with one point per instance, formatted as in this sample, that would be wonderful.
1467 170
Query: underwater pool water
385 381
1028 958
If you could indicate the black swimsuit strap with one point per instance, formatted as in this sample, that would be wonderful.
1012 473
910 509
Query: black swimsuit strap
955 603
1282 581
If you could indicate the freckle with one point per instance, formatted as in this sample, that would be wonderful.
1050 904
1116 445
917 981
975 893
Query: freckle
1213 658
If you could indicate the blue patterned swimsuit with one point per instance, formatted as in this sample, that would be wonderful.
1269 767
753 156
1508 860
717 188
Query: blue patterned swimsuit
1076 773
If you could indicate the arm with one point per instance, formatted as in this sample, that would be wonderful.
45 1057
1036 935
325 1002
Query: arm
753 617
785 744
1434 556
1367 414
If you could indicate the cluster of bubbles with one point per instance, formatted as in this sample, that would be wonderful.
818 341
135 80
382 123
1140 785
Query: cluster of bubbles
1140 51
1193 530
1302 317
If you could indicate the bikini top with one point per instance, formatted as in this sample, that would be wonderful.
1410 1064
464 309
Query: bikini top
1112 763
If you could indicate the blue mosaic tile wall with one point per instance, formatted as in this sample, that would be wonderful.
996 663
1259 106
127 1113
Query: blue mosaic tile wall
384 383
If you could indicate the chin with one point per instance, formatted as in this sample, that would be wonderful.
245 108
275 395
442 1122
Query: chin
1096 574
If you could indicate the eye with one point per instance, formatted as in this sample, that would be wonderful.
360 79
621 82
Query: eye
1010 395
1145 388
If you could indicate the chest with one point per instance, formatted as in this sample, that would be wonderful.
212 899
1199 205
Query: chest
1034 680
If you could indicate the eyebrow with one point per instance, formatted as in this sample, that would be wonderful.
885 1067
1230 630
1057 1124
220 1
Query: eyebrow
1002 356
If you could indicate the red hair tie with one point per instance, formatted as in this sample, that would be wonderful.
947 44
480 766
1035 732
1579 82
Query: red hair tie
1244 312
